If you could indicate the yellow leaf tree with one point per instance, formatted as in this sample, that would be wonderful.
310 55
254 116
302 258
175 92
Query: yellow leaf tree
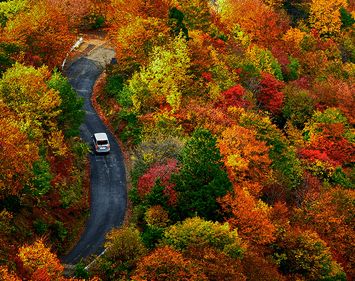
165 78
24 90
325 16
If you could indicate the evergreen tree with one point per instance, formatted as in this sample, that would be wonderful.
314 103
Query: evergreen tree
202 178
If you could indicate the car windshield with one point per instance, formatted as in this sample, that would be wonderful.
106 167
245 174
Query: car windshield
102 142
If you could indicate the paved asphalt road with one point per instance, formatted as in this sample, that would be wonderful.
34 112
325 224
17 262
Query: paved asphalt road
108 195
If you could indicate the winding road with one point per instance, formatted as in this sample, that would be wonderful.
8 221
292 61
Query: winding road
108 194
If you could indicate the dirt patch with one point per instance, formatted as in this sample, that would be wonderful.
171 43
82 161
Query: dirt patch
96 45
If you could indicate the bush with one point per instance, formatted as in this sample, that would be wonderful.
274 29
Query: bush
41 182
152 236
71 113
114 84
157 216
293 69
132 129
156 148
60 232
196 232
124 247
98 22
347 19
71 194
80 271
93 21
11 203
305 253
80 148
298 106
40 226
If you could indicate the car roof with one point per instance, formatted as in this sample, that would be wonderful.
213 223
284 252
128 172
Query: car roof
101 136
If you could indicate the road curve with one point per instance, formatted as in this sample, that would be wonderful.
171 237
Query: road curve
108 193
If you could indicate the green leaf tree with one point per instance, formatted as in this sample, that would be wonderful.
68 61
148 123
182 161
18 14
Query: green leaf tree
124 248
202 178
305 253
71 114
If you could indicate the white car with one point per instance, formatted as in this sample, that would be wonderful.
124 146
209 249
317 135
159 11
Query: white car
101 143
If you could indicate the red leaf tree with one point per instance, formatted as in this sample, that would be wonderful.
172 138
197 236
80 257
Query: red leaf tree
162 172
234 96
269 95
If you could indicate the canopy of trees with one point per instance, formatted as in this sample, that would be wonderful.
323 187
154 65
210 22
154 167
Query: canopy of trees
239 118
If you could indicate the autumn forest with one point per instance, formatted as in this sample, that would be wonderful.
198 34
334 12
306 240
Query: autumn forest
237 122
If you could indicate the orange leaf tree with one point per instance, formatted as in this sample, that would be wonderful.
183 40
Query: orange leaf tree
245 157
137 27
285 164
261 22
213 264
74 10
39 260
249 215
8 276
256 267
42 32
330 214
166 264
17 153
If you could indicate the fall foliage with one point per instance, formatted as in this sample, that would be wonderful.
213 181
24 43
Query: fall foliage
245 157
257 97
331 23
43 34
238 116
167 264
38 260
250 216
17 155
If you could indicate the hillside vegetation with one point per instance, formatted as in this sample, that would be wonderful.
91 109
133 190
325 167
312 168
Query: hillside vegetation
239 119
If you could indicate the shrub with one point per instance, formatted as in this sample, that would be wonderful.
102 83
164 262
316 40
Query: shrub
151 236
303 252
80 271
124 247
41 182
40 226
60 232
166 264
196 232
132 129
